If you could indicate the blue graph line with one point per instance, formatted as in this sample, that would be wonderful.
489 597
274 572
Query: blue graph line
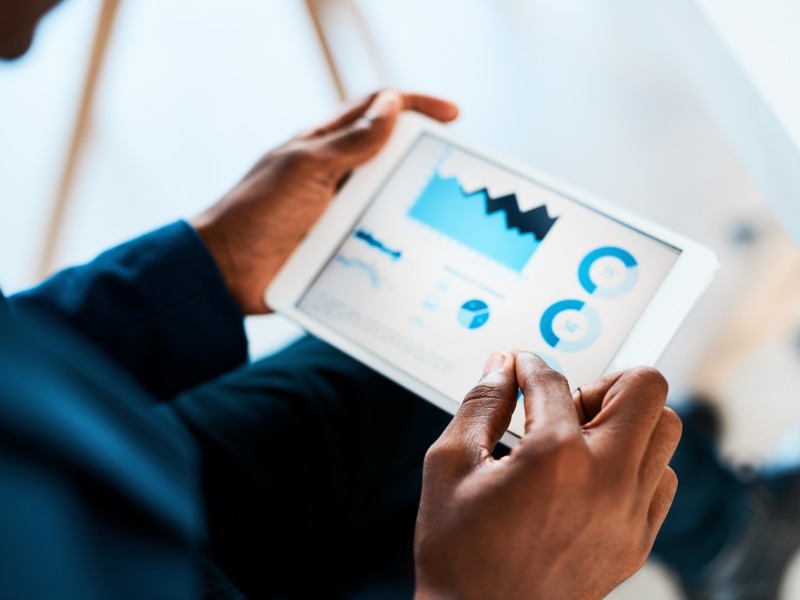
371 240
374 278
495 227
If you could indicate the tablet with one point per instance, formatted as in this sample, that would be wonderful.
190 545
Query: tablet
437 253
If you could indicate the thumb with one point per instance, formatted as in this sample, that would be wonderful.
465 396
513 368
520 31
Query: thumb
486 411
362 138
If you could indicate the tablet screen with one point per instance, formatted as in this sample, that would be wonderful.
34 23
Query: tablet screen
456 257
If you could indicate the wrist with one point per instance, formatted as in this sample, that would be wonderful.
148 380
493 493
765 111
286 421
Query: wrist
228 263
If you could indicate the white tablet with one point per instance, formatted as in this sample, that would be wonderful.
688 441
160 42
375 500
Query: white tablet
437 253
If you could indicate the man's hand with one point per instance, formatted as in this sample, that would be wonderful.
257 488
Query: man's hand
573 510
256 226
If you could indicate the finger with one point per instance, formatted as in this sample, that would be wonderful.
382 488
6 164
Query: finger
629 410
431 106
436 108
548 402
485 414
580 408
659 452
588 399
362 138
347 114
662 501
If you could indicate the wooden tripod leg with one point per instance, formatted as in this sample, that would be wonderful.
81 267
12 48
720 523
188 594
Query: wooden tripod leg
351 53
314 12
61 201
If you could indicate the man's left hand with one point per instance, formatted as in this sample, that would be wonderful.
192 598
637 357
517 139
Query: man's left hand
252 230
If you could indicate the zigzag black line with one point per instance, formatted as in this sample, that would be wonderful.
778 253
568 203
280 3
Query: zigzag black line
536 221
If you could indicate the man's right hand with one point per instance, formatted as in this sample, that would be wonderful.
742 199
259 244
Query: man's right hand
573 510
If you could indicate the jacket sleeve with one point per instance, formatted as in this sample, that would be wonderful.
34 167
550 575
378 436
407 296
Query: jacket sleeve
156 305
100 488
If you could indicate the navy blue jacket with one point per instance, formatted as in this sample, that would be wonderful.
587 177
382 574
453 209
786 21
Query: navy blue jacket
98 487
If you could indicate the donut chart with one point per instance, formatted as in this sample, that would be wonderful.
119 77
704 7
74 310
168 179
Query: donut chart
608 272
570 325
473 314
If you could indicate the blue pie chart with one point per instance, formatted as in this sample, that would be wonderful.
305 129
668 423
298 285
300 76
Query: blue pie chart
570 325
608 272
473 314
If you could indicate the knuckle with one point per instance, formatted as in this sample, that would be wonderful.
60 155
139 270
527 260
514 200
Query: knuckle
442 453
388 91
658 505
671 423
443 458
670 479
652 378
483 392
357 132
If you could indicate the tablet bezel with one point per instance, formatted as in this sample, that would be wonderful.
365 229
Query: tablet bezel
685 283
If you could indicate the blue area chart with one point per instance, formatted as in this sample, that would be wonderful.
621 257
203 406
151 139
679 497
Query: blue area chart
608 272
495 227
570 325
473 314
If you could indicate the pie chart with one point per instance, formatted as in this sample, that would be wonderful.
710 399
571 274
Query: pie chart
570 325
608 272
473 314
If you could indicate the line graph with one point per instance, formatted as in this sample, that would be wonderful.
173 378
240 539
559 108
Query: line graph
369 270
495 227
374 242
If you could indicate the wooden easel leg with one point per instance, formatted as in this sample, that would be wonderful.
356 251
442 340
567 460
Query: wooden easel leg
61 201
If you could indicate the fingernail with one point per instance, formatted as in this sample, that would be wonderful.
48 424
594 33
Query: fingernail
495 362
